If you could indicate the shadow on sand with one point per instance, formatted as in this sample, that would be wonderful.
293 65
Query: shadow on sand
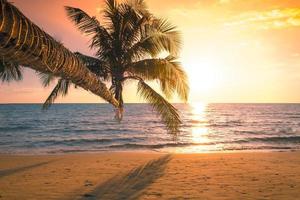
8 172
130 185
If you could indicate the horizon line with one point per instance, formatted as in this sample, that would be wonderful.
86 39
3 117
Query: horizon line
148 103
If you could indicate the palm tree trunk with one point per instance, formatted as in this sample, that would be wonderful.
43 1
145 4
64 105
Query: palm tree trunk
119 98
118 95
29 46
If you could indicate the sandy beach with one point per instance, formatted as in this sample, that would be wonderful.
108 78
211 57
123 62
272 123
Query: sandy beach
125 175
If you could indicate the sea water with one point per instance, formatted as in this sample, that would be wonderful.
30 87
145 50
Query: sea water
25 128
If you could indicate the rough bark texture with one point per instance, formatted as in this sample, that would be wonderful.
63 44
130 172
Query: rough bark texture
25 43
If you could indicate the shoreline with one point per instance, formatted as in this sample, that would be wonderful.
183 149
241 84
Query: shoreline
153 151
151 175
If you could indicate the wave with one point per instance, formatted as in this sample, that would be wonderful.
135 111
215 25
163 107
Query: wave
150 146
260 148
286 130
285 139
193 121
289 140
171 145
15 128
294 117
131 143
77 142
230 123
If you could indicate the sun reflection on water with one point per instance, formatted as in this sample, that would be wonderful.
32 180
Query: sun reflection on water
199 133
199 129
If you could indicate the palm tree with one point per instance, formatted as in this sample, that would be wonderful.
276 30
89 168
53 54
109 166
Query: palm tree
22 43
128 44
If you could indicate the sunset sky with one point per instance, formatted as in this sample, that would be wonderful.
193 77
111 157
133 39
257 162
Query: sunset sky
234 50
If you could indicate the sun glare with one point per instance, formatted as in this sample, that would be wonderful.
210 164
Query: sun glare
199 110
204 74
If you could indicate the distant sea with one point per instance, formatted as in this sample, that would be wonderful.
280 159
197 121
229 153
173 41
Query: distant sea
25 128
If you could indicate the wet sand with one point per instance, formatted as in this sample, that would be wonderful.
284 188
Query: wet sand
259 175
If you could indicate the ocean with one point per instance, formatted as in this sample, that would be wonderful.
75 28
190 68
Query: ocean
26 129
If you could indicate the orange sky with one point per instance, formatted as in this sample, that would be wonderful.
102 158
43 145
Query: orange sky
234 50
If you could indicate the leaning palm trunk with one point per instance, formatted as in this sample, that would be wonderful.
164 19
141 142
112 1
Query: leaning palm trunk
29 46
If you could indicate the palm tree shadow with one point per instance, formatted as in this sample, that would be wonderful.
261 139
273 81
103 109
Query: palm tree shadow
130 185
8 172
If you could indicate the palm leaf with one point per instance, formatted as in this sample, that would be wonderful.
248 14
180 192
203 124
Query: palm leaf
168 71
46 79
61 88
10 71
139 6
102 41
101 38
165 35
112 16
98 67
157 36
82 20
168 112
111 6
134 16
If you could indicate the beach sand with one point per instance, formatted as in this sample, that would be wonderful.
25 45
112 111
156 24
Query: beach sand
259 175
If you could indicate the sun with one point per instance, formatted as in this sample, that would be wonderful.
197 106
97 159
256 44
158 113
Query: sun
204 74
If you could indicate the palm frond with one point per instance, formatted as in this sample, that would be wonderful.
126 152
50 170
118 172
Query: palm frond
139 6
167 111
133 33
168 72
82 20
90 26
111 5
113 16
61 88
10 71
98 67
102 41
166 35
157 36
46 79
133 19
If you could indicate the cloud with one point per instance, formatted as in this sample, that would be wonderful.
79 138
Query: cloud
270 19
224 1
